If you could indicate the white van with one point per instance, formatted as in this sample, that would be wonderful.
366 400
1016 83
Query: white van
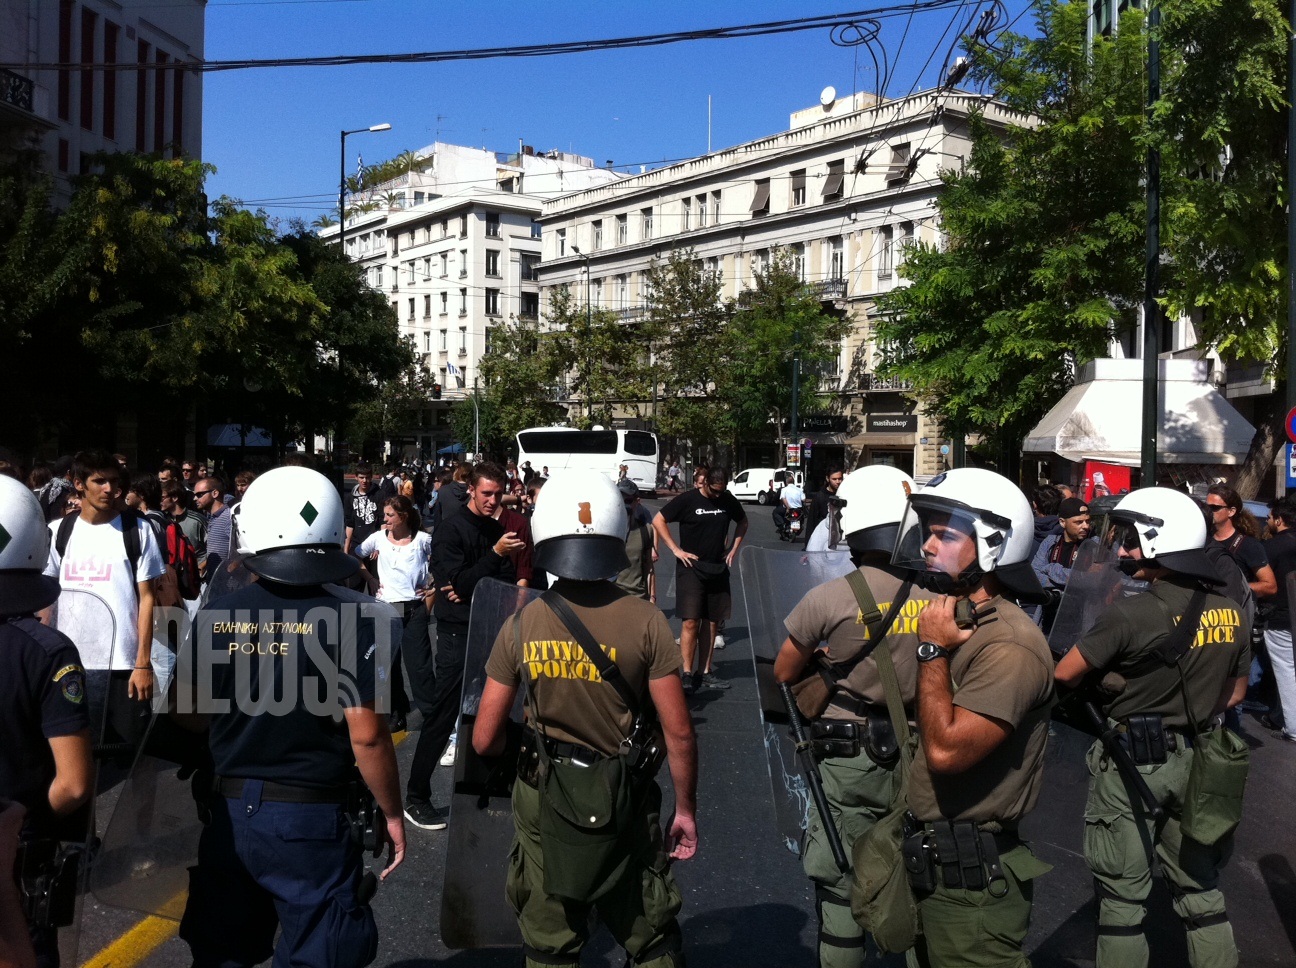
762 484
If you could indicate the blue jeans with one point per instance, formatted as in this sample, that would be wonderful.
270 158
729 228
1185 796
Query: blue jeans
262 865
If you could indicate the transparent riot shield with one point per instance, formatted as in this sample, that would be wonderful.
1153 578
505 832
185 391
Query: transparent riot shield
1096 582
56 894
473 912
773 583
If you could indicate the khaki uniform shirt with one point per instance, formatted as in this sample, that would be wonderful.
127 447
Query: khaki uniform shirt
574 704
1005 672
829 614
1129 630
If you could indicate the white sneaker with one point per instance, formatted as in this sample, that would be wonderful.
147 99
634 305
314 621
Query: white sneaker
719 640
448 757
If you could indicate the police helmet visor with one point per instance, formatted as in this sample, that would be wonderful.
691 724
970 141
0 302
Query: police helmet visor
24 592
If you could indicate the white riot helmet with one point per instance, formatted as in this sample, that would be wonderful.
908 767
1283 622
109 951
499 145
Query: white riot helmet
24 551
873 501
290 528
579 526
1167 527
981 504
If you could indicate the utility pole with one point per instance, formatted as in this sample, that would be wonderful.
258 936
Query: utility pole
1152 266
1291 220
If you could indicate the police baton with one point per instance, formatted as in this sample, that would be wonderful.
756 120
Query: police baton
1121 757
805 753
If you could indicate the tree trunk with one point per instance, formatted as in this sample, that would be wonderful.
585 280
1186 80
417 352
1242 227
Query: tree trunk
1256 472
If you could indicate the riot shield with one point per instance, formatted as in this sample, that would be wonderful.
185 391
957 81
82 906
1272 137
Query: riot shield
1096 581
473 912
59 894
773 583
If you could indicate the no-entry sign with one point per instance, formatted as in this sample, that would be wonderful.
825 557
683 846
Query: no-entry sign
1291 425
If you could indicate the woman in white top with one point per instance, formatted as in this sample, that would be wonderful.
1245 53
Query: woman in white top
402 552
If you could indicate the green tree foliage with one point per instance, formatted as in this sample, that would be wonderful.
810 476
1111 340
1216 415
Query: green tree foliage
606 360
778 318
522 374
1042 257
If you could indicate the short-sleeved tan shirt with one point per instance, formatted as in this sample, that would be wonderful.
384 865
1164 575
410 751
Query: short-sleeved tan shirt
575 705
830 615
1005 672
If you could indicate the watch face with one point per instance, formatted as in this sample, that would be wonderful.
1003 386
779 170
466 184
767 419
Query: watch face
930 650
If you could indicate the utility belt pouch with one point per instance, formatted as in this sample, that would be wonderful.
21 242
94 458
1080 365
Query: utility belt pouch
49 883
528 764
366 819
1145 738
831 738
816 691
968 858
644 750
919 863
883 748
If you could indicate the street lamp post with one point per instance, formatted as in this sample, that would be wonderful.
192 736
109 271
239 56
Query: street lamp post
589 326
342 181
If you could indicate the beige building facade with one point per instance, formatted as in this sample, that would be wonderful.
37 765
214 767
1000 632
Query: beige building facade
844 190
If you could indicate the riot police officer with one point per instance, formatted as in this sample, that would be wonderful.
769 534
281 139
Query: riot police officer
45 761
1162 712
290 672
985 690
855 739
586 715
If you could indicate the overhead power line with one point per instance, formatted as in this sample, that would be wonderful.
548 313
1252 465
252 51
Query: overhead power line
770 28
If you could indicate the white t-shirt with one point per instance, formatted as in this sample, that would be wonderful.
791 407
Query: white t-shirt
793 495
401 568
96 562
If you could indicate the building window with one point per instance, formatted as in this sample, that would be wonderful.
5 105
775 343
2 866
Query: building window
492 302
88 21
760 262
427 306
409 272
799 261
798 188
65 57
886 252
443 340
531 304
596 234
623 292
463 225
427 341
492 262
760 205
646 223
492 225
463 341
463 263
445 309
530 272
535 229
427 267
142 80
445 228
445 264
713 268
702 211
715 208
411 309
836 178
110 82
836 259
687 206
900 167
463 302
562 242
596 293
378 276
623 229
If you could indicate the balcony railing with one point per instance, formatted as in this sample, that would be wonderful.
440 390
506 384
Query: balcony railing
871 381
17 90
830 288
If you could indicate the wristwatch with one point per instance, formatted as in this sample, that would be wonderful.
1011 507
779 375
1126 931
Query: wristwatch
930 650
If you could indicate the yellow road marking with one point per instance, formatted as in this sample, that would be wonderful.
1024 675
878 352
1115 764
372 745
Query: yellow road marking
149 934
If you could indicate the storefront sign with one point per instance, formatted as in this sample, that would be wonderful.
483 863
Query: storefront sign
891 423
793 455
825 423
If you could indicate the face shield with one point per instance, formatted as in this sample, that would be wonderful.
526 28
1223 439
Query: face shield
940 541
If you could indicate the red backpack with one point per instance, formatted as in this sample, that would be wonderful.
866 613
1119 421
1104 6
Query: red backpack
180 556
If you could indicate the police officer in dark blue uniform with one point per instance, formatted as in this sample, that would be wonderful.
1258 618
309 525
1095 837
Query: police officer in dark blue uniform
287 670
45 761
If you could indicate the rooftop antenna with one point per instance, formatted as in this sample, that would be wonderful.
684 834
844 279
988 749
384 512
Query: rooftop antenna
708 124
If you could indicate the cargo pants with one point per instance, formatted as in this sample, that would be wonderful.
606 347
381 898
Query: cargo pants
639 911
1118 844
859 793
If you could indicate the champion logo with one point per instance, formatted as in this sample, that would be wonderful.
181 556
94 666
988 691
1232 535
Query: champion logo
705 511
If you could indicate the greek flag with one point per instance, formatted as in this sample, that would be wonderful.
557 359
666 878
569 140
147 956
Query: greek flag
455 372
360 168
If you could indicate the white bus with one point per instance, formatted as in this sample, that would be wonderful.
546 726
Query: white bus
559 448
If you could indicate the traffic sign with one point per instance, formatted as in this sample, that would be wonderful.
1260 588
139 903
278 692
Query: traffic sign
1291 467
1291 425
793 455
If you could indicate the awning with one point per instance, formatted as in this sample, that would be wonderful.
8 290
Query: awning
452 449
233 435
1100 417
761 200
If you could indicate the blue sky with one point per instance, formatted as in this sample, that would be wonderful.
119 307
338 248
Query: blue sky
273 133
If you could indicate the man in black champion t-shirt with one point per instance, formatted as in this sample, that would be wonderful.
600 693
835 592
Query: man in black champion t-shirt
702 565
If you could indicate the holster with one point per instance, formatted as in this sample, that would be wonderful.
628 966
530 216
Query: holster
366 819
1145 738
875 736
48 875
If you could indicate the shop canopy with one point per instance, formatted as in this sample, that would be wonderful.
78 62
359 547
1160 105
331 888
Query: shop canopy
1100 418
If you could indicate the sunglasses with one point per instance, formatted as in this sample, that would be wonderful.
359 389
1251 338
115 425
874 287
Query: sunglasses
1216 507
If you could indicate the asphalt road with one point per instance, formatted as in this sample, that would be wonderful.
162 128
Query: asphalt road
746 902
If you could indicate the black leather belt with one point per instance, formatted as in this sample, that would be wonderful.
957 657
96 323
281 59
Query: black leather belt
860 708
232 787
571 752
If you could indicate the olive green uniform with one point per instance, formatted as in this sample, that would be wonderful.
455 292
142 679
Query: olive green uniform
1119 834
1004 672
574 705
859 790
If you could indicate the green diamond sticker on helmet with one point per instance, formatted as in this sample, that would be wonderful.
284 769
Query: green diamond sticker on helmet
308 513
5 538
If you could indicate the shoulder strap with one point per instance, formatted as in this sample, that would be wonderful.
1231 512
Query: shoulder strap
606 667
131 539
64 533
1176 644
885 664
